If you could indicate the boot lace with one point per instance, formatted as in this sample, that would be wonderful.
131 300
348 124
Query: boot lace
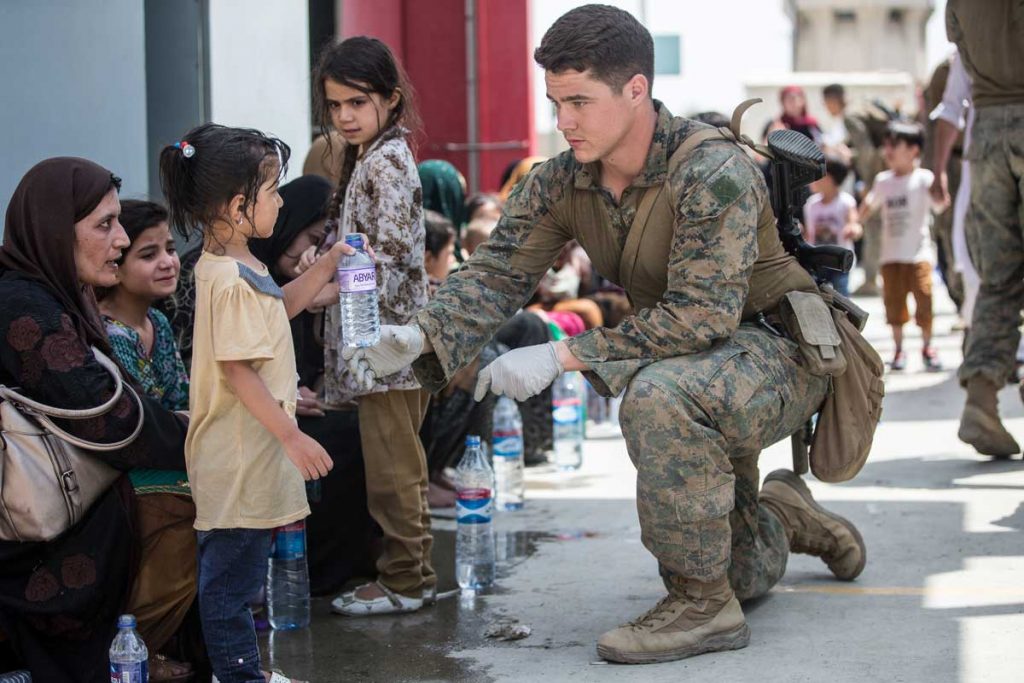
654 616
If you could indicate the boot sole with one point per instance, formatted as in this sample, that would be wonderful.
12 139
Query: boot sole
800 486
736 639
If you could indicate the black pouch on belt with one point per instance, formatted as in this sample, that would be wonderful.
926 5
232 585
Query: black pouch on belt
808 320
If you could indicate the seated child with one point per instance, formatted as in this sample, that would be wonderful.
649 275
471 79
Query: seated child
144 345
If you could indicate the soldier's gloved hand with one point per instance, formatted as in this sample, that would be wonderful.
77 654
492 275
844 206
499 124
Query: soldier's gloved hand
520 373
398 347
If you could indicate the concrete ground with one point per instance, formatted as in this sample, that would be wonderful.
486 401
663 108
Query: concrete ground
941 599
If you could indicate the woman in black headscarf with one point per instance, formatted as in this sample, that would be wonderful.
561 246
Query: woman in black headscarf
59 600
339 531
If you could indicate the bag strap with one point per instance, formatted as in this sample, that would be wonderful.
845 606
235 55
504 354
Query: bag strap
66 413
631 251
63 435
43 413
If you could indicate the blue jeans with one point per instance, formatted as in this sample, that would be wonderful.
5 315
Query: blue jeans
232 569
840 281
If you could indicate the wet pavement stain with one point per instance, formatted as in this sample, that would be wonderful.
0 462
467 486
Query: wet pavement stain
408 647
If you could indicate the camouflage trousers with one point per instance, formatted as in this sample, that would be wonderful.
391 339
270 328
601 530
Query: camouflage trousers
995 239
694 426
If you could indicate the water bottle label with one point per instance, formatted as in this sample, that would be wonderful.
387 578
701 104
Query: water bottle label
129 673
355 280
473 506
510 446
290 542
567 412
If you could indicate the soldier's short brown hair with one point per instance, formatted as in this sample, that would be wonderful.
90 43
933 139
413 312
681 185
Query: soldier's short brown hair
607 41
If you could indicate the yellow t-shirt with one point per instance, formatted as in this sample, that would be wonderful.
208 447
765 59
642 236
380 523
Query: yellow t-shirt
239 473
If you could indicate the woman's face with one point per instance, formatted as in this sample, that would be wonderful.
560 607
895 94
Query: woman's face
793 104
150 267
99 243
356 115
439 266
310 236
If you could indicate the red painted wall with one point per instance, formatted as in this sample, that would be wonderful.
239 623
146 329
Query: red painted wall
430 40
506 67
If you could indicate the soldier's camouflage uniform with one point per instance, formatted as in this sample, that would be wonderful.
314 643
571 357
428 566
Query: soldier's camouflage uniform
704 393
991 46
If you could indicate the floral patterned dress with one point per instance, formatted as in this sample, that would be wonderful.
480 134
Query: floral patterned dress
161 374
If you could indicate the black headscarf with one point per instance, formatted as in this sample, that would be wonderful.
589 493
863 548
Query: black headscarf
305 202
39 233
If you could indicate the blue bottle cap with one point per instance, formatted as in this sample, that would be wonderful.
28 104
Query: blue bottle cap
126 621
354 241
472 440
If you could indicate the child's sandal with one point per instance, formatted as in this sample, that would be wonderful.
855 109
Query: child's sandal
349 604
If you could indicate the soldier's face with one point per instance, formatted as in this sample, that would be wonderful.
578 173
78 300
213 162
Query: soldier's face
594 118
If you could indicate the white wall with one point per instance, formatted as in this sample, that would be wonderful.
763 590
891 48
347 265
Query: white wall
73 83
259 70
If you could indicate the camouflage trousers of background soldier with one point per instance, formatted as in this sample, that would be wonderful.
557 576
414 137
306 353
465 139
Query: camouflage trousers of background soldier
694 427
995 239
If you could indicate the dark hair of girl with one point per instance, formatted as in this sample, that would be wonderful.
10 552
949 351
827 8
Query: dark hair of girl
138 215
439 231
365 64
211 164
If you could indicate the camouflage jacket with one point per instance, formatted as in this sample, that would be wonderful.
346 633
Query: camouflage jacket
717 193
384 201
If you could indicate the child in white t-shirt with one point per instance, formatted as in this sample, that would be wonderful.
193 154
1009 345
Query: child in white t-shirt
830 217
907 256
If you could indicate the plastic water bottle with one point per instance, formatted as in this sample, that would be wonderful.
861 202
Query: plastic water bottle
507 447
129 658
357 289
567 413
288 578
474 542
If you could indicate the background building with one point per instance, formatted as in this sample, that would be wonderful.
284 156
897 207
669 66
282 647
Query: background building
116 80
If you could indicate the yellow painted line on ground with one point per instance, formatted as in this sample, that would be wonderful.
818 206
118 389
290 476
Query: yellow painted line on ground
904 590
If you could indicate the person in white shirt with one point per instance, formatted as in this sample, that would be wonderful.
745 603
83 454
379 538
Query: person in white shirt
830 216
907 255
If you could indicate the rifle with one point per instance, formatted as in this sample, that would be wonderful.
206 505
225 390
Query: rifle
796 162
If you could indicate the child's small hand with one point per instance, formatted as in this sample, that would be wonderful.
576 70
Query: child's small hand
339 249
308 456
306 261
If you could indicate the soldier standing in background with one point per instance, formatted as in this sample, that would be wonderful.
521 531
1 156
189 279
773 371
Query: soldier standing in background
991 44
706 386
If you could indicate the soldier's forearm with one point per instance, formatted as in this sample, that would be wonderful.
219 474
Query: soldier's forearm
570 362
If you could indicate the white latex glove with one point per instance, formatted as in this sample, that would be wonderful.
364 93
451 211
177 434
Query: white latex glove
520 373
398 347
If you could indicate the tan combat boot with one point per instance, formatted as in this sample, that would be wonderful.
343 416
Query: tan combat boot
980 425
810 528
703 617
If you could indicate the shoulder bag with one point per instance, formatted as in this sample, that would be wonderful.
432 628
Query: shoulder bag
48 477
